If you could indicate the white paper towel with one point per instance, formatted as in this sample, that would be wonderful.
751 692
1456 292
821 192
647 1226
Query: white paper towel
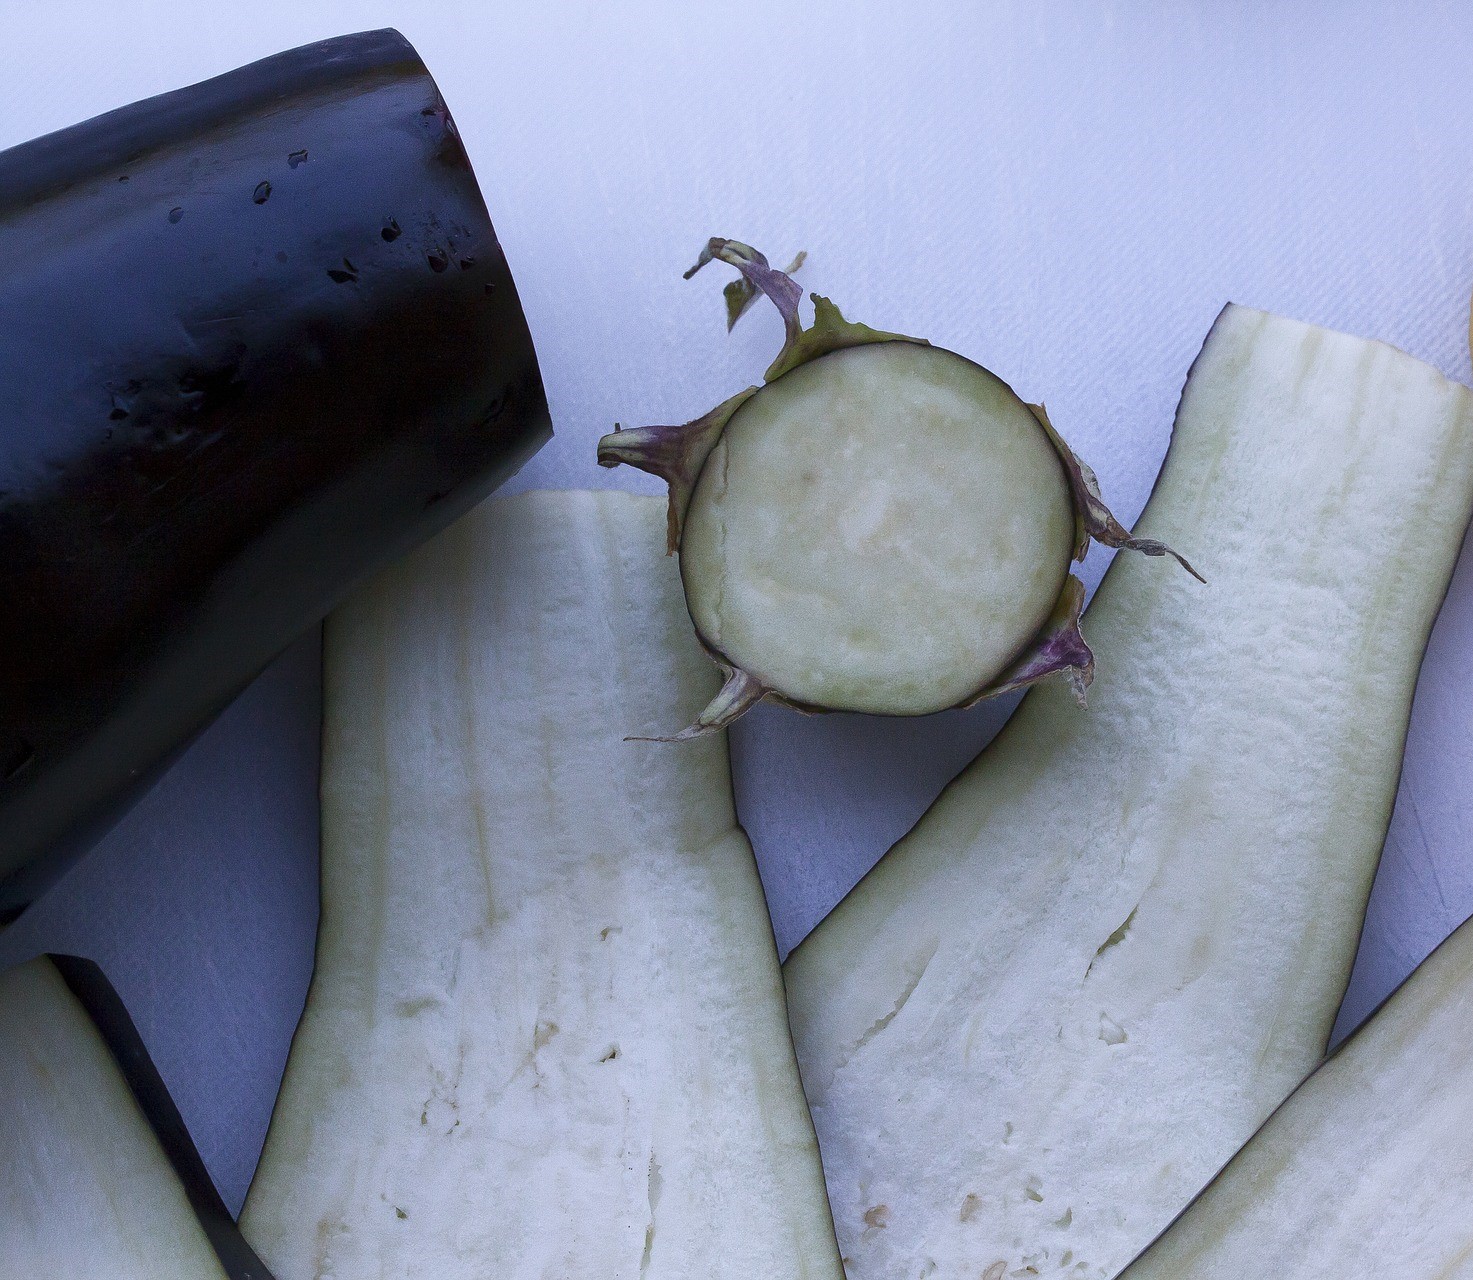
1066 192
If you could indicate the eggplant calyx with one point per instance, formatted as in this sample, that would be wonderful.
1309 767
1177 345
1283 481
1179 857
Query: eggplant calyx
829 330
740 692
757 276
741 293
675 454
1095 519
1059 649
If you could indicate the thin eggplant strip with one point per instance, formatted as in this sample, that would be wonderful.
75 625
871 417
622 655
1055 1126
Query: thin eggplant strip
1119 939
546 1031
1367 1169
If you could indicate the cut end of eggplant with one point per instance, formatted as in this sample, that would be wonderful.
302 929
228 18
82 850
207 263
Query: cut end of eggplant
883 526
883 529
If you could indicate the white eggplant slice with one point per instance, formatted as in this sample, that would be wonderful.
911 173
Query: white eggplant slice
1119 939
1367 1169
883 527
545 1036
91 1185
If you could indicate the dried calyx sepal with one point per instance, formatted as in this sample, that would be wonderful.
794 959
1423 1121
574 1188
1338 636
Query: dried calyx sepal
887 530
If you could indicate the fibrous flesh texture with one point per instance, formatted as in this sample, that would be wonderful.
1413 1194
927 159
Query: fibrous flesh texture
1119 939
1367 1170
545 1036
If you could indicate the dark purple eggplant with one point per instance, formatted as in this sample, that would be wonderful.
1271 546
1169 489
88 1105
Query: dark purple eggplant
257 338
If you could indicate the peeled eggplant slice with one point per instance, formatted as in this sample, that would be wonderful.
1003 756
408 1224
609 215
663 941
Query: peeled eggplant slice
1367 1169
545 1035
97 1175
1118 940
883 527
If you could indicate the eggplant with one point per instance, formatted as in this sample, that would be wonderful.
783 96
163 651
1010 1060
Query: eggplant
1118 940
1367 1169
259 339
545 1034
98 1176
883 526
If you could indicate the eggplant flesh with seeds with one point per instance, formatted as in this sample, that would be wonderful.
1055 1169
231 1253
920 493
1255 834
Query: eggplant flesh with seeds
1118 940
260 338
883 527
545 1034
1367 1169
98 1177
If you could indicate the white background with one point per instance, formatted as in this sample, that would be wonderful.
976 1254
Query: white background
1067 192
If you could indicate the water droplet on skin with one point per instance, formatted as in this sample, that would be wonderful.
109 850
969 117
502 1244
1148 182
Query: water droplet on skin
438 259
262 192
467 263
392 230
297 157
175 213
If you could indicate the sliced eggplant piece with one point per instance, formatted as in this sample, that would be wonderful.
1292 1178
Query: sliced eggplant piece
545 1035
1367 1169
1119 939
884 526
261 339
98 1177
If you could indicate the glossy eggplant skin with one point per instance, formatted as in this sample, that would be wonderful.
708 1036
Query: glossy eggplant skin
257 338
110 1016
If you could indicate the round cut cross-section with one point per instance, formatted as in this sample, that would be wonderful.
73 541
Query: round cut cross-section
882 529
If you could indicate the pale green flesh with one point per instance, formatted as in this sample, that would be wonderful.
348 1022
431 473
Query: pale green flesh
1119 939
86 1192
1367 1170
882 529
545 1036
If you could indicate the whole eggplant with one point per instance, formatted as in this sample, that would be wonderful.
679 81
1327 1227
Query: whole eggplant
257 338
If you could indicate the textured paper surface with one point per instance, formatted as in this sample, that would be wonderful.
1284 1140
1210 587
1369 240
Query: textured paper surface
1065 192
